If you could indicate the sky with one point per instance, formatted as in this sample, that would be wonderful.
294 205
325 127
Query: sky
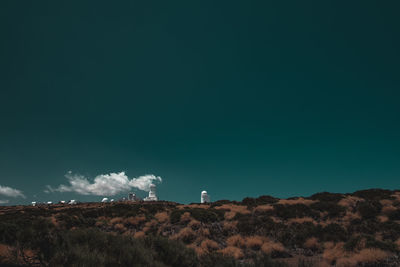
239 98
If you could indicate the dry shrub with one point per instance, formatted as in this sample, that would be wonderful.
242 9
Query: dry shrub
199 250
396 196
270 246
333 251
349 201
209 245
99 223
232 252
229 215
162 217
299 200
368 255
204 232
119 227
236 208
275 219
139 234
264 208
185 217
302 220
383 218
388 209
186 235
194 224
311 243
116 220
235 241
350 216
149 225
135 220
194 206
5 252
254 242
230 226
397 242
386 202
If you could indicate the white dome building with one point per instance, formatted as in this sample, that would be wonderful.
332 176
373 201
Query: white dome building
205 198
152 194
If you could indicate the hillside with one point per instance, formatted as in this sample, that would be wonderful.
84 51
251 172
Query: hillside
325 229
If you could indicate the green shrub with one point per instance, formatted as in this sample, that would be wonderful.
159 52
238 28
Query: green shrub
333 209
333 232
374 194
294 211
369 209
326 196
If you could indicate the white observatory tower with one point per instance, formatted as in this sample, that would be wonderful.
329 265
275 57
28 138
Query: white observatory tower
152 194
205 198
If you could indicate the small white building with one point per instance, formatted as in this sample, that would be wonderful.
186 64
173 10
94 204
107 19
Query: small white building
34 203
152 194
132 197
104 200
72 202
204 198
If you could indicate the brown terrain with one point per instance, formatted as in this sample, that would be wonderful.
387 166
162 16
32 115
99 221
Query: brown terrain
325 229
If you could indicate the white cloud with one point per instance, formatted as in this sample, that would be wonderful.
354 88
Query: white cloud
104 184
4 201
10 192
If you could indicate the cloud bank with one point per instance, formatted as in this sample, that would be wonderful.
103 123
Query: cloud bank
10 192
105 184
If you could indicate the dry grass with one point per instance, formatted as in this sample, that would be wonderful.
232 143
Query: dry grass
350 216
230 226
349 201
194 206
396 196
302 220
333 251
185 217
149 225
186 235
388 209
116 220
194 224
397 242
235 241
233 210
134 221
299 200
119 227
311 243
162 217
254 242
209 245
382 218
264 208
229 215
204 232
234 252
199 250
139 234
386 202
270 246
368 255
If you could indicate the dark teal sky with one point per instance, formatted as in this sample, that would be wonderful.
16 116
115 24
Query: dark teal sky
241 98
